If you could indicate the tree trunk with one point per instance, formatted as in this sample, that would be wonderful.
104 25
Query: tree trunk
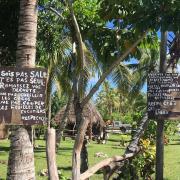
21 157
77 161
51 154
27 31
31 133
160 122
51 135
82 144
63 123
84 157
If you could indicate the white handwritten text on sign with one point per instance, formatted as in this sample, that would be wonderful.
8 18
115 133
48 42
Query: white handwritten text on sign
22 95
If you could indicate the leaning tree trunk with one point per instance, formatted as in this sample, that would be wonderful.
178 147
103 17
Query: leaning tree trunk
21 158
80 156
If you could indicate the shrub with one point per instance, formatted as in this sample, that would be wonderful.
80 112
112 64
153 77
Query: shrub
142 166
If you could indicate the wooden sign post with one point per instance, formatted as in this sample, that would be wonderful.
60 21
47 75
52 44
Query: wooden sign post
163 104
22 95
158 114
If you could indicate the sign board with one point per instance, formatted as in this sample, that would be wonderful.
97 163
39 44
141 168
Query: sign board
163 96
22 95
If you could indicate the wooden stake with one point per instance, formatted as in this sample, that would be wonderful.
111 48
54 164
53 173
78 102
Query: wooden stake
51 154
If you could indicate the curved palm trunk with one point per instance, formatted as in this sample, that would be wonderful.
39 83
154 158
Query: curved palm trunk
21 156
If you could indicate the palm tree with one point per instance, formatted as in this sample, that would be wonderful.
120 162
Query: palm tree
55 57
21 163
27 31
108 100
147 63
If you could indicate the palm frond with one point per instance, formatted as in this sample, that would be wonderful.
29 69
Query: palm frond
122 77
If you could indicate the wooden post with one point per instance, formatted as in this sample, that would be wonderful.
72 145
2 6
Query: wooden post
51 154
160 122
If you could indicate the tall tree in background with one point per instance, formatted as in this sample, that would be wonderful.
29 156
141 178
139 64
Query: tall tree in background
21 156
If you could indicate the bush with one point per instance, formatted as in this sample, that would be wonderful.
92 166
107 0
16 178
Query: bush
142 166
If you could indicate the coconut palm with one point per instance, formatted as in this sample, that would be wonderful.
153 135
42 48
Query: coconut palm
108 100
147 63
18 168
27 31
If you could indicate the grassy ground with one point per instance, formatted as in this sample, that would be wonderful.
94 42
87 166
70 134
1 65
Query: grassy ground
172 156
172 159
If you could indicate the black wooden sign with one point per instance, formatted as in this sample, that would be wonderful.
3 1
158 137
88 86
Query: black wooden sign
22 95
163 95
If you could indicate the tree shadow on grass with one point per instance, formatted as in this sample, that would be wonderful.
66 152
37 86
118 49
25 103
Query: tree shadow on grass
63 150
113 140
40 157
67 168
118 147
175 139
4 149
2 178
39 150
171 144
99 172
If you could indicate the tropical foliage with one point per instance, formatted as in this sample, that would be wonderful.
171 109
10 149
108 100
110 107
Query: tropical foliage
80 39
116 105
143 165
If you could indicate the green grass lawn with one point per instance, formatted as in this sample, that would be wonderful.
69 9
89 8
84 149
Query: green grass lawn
172 159
172 156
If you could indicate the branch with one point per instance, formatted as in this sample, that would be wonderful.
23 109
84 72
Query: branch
139 132
80 46
107 72
104 163
130 152
55 11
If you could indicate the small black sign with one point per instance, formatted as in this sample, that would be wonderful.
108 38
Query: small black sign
163 96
